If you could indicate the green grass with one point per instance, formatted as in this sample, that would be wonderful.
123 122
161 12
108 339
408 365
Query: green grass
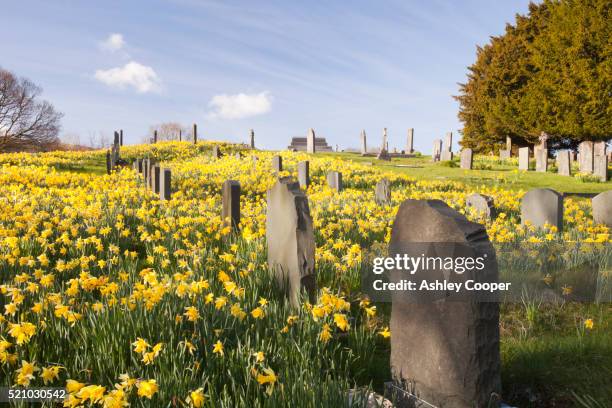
423 168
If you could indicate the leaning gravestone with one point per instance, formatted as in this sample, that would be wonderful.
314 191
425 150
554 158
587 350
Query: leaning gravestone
216 152
541 156
445 350
303 172
602 208
564 166
334 180
600 167
230 212
467 159
482 204
290 239
277 164
165 191
382 194
524 158
542 206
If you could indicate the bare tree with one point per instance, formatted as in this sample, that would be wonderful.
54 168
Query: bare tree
26 123
168 131
98 140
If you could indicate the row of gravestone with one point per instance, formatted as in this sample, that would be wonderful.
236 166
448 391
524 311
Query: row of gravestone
593 158
194 135
543 206
157 178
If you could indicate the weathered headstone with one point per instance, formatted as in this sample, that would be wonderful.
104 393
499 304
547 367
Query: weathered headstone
140 165
364 145
445 350
155 136
446 155
135 165
504 154
437 150
586 157
303 173
564 164
277 164
216 152
541 156
602 208
509 145
482 204
467 159
165 190
600 167
155 176
542 206
121 137
150 174
180 135
334 180
145 170
524 158
382 194
310 141
448 142
252 138
231 203
410 141
195 133
385 141
109 165
290 239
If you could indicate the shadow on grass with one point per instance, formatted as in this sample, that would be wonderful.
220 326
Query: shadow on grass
549 371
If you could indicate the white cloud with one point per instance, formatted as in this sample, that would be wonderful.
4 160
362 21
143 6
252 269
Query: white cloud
133 74
113 43
239 106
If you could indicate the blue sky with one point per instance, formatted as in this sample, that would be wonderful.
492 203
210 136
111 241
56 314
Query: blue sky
278 67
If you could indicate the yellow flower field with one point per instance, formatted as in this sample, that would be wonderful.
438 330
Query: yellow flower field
124 299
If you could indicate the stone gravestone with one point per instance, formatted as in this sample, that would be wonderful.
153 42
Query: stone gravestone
382 194
504 154
231 203
602 208
364 146
446 155
586 157
277 164
155 136
437 150
542 206
599 148
600 167
385 141
109 165
140 165
509 145
445 350
410 141
121 137
165 191
541 156
334 180
524 158
310 141
155 175
135 165
252 138
564 164
467 159
145 170
195 133
290 239
482 204
303 172
448 142
216 152
150 174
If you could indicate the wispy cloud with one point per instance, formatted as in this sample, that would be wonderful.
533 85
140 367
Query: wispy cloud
114 42
134 75
239 106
